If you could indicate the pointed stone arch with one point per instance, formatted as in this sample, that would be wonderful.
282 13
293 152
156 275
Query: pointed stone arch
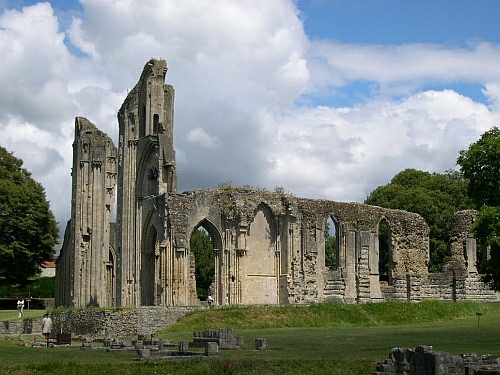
261 264
151 270
147 271
110 276
214 289
332 248
148 172
384 250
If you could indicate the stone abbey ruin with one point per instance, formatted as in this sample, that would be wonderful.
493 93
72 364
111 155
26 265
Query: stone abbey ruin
269 247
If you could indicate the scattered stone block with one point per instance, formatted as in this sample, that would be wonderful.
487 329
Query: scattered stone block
86 344
423 360
183 346
144 353
154 339
260 344
211 349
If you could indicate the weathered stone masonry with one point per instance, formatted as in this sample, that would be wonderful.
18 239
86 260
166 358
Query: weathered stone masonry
269 247
99 323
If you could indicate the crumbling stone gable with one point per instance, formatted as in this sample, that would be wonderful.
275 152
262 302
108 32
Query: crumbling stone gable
269 246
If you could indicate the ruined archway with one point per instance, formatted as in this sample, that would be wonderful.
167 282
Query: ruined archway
331 245
261 261
201 245
148 272
110 278
205 244
384 251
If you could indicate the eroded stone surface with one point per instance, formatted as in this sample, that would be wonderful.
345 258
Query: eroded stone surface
269 246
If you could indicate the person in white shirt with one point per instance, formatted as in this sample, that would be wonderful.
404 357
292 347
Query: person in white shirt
20 307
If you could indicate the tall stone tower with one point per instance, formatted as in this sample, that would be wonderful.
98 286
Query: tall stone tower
87 259
146 173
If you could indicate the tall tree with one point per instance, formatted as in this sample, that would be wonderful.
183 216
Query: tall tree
480 164
28 230
436 197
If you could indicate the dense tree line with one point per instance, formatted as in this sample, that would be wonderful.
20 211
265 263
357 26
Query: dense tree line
434 196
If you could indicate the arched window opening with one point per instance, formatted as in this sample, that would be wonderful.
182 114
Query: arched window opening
142 123
156 123
331 245
148 267
201 245
110 279
384 251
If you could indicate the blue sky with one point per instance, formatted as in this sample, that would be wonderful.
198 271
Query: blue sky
328 99
393 22
445 22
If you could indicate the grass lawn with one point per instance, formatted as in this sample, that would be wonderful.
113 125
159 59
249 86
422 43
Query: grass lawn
337 347
12 314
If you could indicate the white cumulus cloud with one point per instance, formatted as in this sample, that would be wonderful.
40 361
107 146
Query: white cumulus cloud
242 72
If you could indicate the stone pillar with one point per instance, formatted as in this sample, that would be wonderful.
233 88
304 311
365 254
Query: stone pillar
183 346
260 344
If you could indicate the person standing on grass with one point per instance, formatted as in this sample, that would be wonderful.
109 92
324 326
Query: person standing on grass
20 307
46 326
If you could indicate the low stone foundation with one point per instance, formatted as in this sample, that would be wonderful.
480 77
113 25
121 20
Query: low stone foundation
93 324
423 360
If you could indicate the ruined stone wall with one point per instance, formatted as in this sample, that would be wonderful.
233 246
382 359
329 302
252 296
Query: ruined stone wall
93 324
269 246
439 286
462 246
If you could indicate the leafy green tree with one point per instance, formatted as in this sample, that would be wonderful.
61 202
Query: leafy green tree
202 248
28 230
40 287
436 197
480 164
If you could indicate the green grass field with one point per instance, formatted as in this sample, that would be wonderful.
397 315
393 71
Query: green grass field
319 339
